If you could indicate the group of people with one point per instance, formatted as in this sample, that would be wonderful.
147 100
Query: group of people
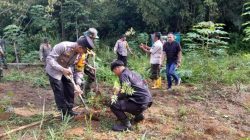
71 59
158 52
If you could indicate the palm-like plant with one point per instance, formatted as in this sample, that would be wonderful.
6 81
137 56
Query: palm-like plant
246 25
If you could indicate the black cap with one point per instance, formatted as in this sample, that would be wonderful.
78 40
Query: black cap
115 64
85 42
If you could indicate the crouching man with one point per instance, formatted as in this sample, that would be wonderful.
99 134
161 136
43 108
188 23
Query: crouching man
135 103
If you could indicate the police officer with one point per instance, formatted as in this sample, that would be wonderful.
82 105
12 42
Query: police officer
63 56
45 49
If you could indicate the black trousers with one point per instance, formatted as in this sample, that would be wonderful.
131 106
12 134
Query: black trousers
64 93
121 106
155 71
124 59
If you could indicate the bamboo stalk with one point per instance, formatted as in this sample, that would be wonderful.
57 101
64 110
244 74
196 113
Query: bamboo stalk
30 125
22 127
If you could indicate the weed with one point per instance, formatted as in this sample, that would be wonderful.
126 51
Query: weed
182 112
176 132
88 126
197 98
106 123
36 78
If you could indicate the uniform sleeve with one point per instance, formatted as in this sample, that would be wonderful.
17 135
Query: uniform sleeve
116 46
127 46
52 57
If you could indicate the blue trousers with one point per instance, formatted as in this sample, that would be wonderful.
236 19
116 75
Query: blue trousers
171 72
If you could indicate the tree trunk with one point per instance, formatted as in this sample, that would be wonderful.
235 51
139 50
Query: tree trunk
17 60
77 32
62 24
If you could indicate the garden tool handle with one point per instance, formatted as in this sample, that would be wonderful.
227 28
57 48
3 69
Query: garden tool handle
80 95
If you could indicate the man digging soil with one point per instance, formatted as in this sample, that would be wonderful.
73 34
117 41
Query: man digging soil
135 102
58 62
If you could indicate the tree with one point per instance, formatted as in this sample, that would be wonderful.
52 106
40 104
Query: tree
40 20
75 18
208 37
246 25
15 35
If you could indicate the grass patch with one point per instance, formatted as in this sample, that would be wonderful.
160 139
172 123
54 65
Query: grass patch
36 77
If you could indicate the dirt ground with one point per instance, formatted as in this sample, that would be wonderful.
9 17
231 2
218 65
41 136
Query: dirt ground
187 113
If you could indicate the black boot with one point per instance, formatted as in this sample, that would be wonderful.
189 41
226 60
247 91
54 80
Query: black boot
72 113
137 119
123 126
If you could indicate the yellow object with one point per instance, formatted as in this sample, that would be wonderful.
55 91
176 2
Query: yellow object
81 63
157 83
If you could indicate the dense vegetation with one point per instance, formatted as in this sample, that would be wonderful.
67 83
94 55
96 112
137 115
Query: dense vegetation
215 37
210 29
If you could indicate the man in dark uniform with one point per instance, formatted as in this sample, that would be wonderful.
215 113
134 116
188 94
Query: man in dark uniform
135 103
62 56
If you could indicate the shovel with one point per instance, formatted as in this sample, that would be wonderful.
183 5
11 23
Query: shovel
80 95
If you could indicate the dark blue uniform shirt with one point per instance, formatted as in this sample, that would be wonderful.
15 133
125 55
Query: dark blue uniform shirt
141 93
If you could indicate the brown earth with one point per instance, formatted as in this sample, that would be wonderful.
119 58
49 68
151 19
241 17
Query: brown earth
186 113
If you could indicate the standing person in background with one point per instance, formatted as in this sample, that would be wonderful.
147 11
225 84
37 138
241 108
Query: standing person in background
2 54
155 59
172 50
1 63
45 49
121 49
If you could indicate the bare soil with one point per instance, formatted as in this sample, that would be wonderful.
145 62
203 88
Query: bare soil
186 113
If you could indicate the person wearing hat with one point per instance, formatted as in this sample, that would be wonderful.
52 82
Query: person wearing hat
155 52
62 56
82 67
121 49
92 33
135 103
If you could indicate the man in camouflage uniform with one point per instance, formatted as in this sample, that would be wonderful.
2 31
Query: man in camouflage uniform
82 67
